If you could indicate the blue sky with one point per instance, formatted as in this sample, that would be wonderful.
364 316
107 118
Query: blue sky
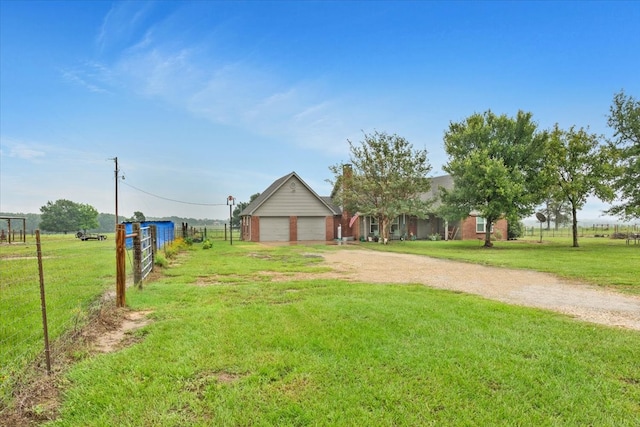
201 100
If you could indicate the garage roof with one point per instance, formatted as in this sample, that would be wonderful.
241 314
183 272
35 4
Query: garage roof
266 194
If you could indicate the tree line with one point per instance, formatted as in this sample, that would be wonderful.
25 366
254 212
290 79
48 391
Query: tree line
60 217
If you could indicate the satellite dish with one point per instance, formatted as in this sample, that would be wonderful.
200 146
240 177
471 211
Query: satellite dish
541 217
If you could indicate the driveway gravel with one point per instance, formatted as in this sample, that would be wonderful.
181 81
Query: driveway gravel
520 287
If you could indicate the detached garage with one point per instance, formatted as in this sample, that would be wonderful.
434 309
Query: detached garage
289 211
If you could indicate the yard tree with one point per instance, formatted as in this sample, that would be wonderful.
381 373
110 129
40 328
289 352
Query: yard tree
579 166
387 176
624 119
64 215
240 207
496 163
557 211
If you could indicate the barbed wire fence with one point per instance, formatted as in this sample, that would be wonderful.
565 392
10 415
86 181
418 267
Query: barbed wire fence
75 277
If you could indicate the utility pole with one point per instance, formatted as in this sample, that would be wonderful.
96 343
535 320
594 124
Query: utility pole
231 201
117 171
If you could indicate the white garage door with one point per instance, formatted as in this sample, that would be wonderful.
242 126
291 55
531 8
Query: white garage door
312 228
274 229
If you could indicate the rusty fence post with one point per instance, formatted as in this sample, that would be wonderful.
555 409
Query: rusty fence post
43 304
154 244
121 271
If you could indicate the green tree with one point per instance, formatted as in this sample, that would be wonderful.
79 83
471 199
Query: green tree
515 229
138 217
580 168
496 163
64 215
88 217
624 119
388 176
240 207
556 211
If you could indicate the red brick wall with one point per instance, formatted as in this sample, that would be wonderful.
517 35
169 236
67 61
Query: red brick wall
244 231
344 221
255 228
503 226
293 228
331 227
468 229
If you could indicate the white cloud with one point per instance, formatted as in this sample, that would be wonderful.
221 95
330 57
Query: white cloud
79 77
121 23
238 91
21 150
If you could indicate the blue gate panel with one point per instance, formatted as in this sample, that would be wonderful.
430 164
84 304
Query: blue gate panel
165 229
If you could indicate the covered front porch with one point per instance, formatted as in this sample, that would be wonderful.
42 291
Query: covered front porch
410 227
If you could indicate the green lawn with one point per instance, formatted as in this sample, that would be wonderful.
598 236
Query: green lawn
241 350
75 275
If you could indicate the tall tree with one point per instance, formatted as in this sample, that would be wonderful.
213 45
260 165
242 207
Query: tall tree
87 217
387 177
624 118
556 211
64 215
575 161
138 217
496 163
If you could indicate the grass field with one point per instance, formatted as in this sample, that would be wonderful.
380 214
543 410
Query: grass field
244 351
76 274
229 347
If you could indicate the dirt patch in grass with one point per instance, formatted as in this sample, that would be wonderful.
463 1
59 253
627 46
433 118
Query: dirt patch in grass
37 396
266 276
118 333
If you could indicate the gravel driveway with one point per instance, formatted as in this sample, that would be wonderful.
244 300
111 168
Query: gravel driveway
520 287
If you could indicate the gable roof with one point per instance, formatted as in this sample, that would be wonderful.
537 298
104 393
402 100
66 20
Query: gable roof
266 194
433 195
444 181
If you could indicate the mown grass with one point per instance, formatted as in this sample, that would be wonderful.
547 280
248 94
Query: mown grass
75 275
605 262
240 350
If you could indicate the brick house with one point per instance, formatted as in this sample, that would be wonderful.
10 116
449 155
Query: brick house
289 210
431 227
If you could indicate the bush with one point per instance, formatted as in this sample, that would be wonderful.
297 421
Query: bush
174 247
207 244
161 261
515 229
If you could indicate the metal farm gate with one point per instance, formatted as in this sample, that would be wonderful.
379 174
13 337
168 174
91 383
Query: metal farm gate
146 253
143 242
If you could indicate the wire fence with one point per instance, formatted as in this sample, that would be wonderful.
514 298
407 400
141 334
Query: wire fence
594 230
74 274
200 234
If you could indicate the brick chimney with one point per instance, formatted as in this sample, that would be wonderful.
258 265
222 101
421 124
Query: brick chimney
347 175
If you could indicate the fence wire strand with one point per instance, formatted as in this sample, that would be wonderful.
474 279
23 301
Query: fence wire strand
77 275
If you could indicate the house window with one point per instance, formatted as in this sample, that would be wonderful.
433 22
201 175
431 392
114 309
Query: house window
373 227
481 225
395 225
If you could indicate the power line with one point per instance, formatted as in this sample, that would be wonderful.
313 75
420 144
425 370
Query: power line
171 200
